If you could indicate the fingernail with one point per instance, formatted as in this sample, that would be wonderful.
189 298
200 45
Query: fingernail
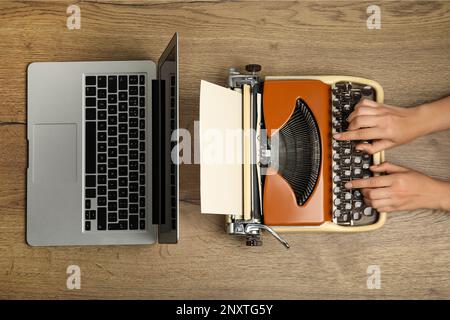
348 185
337 136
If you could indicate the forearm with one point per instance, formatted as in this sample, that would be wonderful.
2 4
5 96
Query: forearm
434 116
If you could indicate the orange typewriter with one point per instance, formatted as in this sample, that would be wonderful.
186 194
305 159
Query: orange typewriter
287 173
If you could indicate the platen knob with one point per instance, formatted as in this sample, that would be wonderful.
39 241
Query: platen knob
253 68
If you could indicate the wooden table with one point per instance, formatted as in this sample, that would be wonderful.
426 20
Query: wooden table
409 56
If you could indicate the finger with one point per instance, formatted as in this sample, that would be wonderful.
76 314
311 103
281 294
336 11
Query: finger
382 203
375 146
363 111
363 122
386 209
372 182
360 134
377 193
388 167
367 103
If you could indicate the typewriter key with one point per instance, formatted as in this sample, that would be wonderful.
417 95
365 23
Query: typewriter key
367 90
335 91
348 196
337 213
347 173
336 168
356 216
357 159
347 108
336 145
357 194
356 171
347 161
337 190
358 204
348 206
368 211
337 202
341 85
336 102
336 157
337 178
366 165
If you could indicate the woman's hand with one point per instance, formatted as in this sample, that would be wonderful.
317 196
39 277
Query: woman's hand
402 189
387 126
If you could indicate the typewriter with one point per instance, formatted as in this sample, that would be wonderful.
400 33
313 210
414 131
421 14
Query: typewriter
291 172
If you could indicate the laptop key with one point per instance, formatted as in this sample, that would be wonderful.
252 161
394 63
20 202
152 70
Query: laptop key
112 216
102 147
123 203
90 113
90 91
123 192
90 181
101 190
142 224
101 125
133 90
101 81
90 80
123 181
91 102
123 106
123 160
101 104
133 79
133 222
101 218
90 193
123 214
123 96
142 79
101 179
101 94
112 84
101 201
101 115
87 226
112 184
123 83
133 101
87 204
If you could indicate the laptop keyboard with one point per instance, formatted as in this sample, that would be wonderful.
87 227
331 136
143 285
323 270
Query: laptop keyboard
115 152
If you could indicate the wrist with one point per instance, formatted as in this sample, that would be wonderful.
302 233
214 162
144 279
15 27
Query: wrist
443 193
423 119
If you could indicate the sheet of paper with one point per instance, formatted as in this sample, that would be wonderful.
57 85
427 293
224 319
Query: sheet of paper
220 149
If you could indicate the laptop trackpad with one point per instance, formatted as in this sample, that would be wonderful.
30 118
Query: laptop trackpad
55 153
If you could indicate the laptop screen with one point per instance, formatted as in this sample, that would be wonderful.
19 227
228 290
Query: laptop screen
168 149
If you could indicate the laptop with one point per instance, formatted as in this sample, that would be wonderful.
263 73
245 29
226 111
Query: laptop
103 154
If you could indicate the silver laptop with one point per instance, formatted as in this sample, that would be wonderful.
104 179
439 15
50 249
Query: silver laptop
101 142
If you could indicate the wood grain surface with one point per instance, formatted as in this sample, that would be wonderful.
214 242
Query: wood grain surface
409 56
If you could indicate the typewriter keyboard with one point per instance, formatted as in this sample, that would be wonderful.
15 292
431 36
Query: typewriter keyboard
348 163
